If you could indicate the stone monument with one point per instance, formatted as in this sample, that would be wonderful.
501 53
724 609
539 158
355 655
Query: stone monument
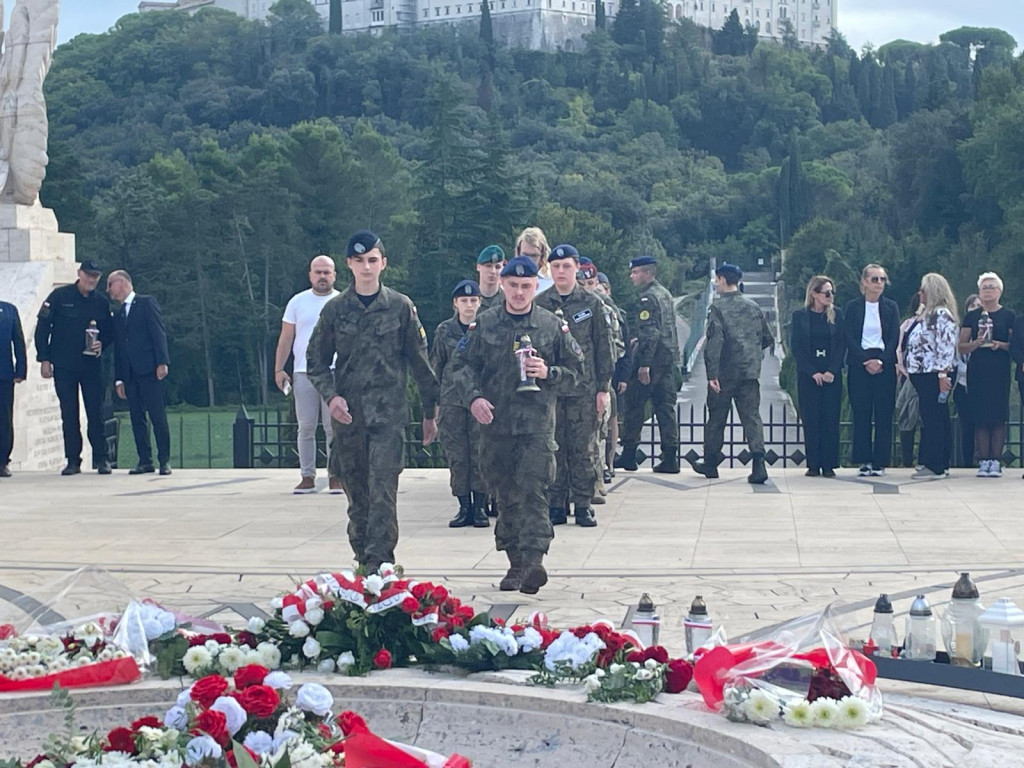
35 256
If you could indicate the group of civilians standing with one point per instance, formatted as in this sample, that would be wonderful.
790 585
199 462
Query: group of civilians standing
911 366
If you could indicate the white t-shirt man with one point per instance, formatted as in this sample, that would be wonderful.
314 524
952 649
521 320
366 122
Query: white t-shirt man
303 311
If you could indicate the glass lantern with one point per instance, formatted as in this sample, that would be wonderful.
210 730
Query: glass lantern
883 630
919 644
962 635
1003 620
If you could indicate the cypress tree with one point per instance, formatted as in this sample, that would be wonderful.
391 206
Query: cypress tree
334 25
887 113
487 27
600 20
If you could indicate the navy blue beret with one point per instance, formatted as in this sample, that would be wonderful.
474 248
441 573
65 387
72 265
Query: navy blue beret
642 261
362 241
520 266
730 272
466 288
564 251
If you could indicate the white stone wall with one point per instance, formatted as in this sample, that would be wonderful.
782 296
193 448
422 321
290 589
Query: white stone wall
813 20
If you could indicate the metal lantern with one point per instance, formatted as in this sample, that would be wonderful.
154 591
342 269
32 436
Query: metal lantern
646 623
1004 619
697 625
883 630
962 634
919 644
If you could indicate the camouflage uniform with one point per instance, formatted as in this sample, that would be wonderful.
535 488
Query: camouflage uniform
654 322
497 300
460 432
737 335
519 445
604 450
376 346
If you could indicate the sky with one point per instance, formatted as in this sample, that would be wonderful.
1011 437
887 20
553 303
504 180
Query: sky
862 21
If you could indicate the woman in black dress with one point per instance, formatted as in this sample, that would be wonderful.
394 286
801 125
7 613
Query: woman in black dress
985 336
818 346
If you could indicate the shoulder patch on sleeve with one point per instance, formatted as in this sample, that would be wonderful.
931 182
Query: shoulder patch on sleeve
645 315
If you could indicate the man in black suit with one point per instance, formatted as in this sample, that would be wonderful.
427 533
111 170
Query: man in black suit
13 370
141 362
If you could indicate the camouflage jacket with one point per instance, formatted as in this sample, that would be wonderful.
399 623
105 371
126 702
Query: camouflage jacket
588 322
737 335
655 327
486 302
442 350
376 348
486 359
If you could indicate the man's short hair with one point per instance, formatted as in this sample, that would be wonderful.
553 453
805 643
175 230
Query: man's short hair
121 274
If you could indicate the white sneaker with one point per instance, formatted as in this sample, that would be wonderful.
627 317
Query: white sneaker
995 469
878 471
927 474
984 468
864 471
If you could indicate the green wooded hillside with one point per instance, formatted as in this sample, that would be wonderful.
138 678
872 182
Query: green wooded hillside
212 157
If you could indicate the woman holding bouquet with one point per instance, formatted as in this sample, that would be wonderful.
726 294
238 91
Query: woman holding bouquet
818 346
930 359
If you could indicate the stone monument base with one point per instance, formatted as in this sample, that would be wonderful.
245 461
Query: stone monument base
35 258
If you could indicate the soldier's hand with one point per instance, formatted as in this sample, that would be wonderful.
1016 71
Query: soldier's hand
602 403
46 369
482 410
339 410
644 374
281 378
119 388
429 431
714 386
536 367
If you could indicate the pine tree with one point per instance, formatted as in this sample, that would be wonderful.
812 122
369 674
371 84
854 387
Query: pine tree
731 40
334 26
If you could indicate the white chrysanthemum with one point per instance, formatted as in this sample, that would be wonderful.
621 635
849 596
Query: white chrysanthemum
799 715
231 659
213 647
197 657
760 707
459 643
853 712
271 655
826 713
303 755
89 634
84 660
33 658
253 657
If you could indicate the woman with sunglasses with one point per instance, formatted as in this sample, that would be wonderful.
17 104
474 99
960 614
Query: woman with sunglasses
985 336
872 327
818 347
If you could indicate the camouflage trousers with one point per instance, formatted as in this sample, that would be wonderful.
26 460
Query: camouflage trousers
661 393
370 460
460 437
747 396
576 429
518 470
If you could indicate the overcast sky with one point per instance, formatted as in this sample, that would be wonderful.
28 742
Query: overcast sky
877 21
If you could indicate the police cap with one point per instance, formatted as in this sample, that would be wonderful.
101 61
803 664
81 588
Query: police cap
520 266
362 241
564 251
90 267
643 261
492 254
466 288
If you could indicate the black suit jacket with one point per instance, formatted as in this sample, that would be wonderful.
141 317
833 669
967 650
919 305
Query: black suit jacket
800 343
141 339
853 324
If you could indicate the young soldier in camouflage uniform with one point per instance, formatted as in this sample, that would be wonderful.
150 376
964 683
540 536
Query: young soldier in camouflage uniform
737 335
656 362
620 379
519 427
378 338
488 270
579 412
460 434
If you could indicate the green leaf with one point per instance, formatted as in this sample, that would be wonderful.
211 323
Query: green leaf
242 756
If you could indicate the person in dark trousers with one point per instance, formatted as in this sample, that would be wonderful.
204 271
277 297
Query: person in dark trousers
819 348
141 362
1017 354
66 316
872 326
13 370
964 411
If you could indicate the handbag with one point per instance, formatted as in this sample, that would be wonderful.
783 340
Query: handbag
908 410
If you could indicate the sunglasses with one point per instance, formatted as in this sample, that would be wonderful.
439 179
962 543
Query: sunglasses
877 279
826 294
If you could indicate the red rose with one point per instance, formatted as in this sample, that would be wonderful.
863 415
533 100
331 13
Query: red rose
195 640
420 591
215 725
7 631
410 605
147 722
233 761
678 675
250 674
221 637
206 690
245 637
383 659
439 634
637 656
324 730
259 700
657 653
350 723
120 740
439 594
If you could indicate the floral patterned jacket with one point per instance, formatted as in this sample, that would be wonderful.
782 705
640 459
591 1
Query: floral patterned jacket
931 345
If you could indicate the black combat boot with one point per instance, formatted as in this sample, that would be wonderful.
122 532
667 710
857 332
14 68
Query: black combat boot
464 516
627 460
707 468
534 575
585 516
480 510
669 464
759 472
492 506
558 515
514 577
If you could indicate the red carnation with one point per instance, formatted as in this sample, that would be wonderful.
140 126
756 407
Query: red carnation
678 675
350 723
215 725
250 674
439 594
245 637
456 621
195 640
657 653
259 700
420 591
637 656
383 659
467 612
206 690
149 721
401 584
410 605
221 637
120 740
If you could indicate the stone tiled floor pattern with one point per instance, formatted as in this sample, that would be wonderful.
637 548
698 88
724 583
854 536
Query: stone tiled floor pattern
199 540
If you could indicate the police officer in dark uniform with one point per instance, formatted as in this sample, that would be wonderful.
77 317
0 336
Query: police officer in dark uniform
61 332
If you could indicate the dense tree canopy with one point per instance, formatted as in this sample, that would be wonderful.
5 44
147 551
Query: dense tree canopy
213 157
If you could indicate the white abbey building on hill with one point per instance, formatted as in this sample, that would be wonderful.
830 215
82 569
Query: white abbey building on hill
545 24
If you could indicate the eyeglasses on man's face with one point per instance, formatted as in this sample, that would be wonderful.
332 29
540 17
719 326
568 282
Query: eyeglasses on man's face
878 279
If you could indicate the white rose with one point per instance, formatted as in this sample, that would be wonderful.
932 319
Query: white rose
259 742
346 660
200 748
277 603
298 628
176 718
326 666
256 625
233 711
278 680
314 616
373 584
311 648
313 697
184 697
